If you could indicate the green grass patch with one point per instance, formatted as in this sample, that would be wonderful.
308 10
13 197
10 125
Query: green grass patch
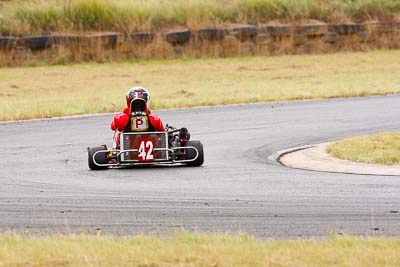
195 250
49 91
382 148
32 16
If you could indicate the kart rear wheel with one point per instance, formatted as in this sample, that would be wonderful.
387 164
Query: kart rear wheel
100 158
191 153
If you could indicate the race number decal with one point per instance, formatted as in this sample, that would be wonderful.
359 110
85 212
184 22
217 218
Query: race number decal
139 123
146 149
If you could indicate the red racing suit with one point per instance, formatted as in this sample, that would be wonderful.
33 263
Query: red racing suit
121 120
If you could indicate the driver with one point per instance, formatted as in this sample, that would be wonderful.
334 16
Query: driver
121 119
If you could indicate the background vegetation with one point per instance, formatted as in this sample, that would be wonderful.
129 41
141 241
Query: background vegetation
44 16
50 91
382 148
195 250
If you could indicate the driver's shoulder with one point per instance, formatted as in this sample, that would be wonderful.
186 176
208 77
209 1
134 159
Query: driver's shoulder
126 111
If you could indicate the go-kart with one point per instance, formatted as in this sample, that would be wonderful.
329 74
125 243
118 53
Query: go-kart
145 147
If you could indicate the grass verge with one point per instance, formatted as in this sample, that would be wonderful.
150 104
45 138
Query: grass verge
32 16
50 91
195 250
382 148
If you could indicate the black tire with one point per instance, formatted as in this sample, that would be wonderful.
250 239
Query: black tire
245 32
100 158
191 154
39 42
177 37
8 42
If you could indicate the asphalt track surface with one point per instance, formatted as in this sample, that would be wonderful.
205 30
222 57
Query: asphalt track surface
46 186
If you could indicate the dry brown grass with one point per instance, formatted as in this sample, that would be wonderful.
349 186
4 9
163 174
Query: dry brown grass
49 91
230 46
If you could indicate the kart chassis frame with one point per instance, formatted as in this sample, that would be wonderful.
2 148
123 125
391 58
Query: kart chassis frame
121 153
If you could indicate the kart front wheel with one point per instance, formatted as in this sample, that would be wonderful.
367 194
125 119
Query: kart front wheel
191 153
100 158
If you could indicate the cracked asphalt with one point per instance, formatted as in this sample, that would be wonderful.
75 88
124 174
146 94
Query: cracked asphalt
46 186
